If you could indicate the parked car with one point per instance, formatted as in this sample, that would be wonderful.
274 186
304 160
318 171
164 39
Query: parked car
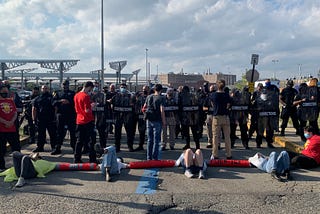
24 95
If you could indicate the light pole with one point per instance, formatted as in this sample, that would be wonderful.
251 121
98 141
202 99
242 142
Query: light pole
274 62
101 80
299 69
146 65
136 72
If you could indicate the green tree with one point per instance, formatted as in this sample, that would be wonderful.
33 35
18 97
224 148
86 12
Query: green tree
241 83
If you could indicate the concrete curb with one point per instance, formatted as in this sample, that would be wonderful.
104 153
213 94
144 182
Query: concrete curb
290 146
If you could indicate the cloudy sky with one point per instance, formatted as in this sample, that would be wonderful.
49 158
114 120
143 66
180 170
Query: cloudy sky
189 35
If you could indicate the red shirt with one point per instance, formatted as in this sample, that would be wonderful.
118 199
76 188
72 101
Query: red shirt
83 108
7 111
312 148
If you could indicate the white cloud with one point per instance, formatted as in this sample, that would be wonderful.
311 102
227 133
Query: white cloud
38 19
192 34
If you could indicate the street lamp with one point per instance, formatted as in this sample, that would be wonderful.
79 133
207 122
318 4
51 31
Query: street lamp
147 65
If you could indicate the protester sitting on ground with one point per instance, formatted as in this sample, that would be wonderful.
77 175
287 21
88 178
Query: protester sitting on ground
277 165
111 164
26 167
192 162
310 155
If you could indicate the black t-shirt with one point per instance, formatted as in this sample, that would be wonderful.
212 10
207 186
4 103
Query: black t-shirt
219 102
288 95
154 102
44 107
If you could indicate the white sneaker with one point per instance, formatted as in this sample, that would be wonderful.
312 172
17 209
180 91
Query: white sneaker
211 157
188 174
108 177
201 174
20 182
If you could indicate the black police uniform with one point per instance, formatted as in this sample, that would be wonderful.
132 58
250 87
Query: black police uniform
45 120
100 113
239 115
65 116
268 107
28 116
287 95
202 97
141 99
308 110
109 113
123 108
189 116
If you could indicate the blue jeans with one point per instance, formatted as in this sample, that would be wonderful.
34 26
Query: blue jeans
280 162
154 129
109 160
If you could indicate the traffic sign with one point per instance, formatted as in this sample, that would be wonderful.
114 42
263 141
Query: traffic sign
254 59
249 75
251 87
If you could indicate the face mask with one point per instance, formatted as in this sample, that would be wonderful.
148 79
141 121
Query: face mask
263 97
145 92
4 95
307 135
123 90
95 90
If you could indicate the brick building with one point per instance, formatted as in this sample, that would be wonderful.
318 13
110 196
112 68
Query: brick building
194 80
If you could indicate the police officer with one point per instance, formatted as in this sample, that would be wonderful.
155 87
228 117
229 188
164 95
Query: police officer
123 108
109 111
208 109
99 112
171 114
254 110
202 96
141 99
268 108
189 116
178 124
28 114
308 110
287 96
239 115
65 115
43 114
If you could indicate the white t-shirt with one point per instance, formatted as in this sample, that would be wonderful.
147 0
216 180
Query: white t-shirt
258 160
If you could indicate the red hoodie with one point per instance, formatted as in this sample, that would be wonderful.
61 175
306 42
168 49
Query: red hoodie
312 148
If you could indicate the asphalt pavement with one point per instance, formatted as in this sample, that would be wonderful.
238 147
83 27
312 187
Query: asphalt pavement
166 190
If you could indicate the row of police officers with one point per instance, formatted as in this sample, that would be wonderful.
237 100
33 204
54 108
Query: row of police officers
183 108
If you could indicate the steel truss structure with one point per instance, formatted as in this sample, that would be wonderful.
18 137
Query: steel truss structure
59 65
